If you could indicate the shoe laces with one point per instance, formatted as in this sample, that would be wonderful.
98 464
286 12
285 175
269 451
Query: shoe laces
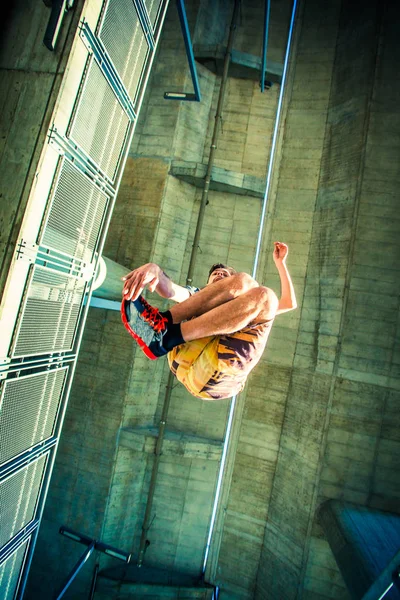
153 316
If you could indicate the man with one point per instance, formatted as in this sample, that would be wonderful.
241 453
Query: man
214 336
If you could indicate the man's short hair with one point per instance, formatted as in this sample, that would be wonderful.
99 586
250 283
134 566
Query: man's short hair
221 266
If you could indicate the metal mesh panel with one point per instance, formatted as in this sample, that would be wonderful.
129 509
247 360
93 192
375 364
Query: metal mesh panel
124 40
100 124
28 409
10 572
18 499
49 314
152 8
75 216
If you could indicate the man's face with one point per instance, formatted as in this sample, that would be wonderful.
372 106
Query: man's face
218 274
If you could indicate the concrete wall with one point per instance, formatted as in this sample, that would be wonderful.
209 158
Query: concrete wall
336 441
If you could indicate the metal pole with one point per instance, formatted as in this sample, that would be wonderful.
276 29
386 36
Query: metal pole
154 473
189 52
78 566
167 399
274 138
265 43
204 198
254 273
94 581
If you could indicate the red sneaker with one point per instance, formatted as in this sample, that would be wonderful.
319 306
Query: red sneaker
146 325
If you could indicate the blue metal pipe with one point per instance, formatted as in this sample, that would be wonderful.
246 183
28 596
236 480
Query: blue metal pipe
274 139
254 273
78 566
196 97
265 43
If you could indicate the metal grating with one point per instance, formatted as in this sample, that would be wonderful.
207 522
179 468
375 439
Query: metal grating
49 314
75 214
28 409
100 125
10 572
18 499
153 7
49 301
125 42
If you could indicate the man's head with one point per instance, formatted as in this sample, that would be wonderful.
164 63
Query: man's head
219 271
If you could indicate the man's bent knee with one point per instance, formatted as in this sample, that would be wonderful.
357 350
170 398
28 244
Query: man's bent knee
242 283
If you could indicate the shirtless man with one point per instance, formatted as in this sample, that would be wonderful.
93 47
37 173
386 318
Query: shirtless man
214 336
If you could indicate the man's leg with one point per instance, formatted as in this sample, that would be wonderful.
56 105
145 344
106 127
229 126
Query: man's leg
257 305
213 295
222 307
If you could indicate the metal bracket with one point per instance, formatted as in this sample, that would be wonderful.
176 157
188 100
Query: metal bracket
4 367
53 141
41 255
263 83
58 10
26 251
188 97
91 545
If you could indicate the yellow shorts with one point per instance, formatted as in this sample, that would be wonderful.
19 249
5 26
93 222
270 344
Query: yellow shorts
217 367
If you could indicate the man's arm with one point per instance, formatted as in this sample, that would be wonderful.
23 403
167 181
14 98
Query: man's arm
154 278
288 297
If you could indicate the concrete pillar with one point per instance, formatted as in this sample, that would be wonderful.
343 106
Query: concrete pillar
108 282
365 543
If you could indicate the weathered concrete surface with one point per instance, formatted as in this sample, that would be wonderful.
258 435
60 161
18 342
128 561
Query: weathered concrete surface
106 589
222 180
143 439
336 435
243 65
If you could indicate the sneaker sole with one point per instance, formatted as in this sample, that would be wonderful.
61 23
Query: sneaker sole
137 339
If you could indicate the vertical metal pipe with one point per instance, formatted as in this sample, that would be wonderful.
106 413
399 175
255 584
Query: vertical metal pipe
265 43
167 399
254 273
204 197
274 138
189 47
94 581
154 473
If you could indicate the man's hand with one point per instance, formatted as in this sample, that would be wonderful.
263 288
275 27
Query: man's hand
154 278
280 253
136 281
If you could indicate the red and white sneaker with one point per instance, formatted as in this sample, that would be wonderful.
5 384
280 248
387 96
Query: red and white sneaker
146 325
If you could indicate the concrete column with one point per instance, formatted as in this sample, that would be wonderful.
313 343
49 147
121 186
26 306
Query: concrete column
365 543
108 282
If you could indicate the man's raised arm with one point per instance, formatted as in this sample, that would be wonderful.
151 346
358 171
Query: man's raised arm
288 297
154 278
